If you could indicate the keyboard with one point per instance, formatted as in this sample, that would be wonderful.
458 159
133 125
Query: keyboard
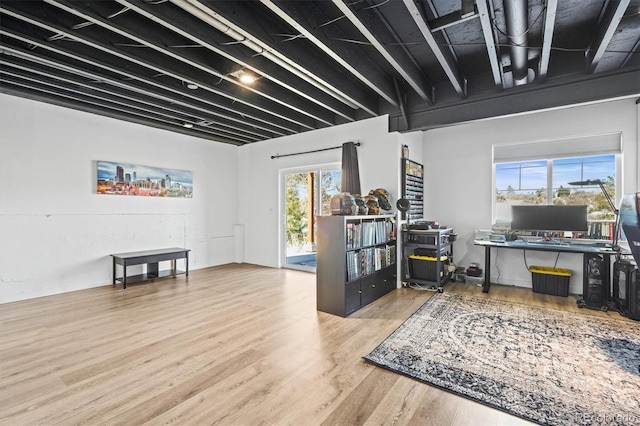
573 246
547 244
593 247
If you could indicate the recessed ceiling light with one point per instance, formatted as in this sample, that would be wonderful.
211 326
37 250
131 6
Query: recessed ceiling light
188 125
247 78
192 86
244 76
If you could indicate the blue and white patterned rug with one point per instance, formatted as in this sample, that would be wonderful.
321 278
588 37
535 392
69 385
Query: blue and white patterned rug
544 365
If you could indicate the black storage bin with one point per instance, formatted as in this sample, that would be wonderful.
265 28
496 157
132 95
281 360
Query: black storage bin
553 281
425 267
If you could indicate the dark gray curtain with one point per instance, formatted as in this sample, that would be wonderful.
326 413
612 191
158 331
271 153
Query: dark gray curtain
350 172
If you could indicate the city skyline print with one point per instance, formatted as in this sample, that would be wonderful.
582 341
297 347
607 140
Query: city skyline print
137 180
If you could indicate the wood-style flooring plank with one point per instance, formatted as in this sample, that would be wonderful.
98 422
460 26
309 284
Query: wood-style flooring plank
230 345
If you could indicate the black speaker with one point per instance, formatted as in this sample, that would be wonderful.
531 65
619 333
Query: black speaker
596 288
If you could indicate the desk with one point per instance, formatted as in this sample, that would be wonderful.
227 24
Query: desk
601 248
151 258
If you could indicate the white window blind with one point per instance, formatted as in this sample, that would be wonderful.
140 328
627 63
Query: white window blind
562 148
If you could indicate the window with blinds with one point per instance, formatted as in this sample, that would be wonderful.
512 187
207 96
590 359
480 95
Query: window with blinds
539 173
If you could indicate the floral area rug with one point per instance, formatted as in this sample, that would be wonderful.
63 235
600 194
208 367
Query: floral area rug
544 365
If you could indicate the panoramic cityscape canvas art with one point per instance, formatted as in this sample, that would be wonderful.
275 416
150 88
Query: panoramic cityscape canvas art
130 179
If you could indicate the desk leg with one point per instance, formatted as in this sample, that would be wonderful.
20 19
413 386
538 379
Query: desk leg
124 275
487 270
186 264
114 271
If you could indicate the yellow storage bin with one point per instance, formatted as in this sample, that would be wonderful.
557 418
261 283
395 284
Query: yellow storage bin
424 267
429 258
547 280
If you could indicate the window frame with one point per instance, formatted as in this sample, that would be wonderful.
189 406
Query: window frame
549 188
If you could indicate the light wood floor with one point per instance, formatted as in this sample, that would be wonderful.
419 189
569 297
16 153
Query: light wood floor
233 345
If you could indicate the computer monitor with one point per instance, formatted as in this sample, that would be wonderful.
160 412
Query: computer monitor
549 218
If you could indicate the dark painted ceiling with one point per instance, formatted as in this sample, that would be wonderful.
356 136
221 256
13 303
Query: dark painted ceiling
426 63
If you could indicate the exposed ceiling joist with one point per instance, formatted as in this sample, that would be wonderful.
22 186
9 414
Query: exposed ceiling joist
177 116
547 37
403 108
167 16
283 59
611 16
270 103
105 104
175 95
382 86
529 98
175 63
274 120
445 59
488 33
401 63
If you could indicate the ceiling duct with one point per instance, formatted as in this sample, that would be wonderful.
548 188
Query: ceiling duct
516 15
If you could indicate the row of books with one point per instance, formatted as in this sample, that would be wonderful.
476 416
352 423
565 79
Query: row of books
601 230
369 260
362 234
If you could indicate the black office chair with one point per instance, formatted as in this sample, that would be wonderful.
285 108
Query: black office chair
630 222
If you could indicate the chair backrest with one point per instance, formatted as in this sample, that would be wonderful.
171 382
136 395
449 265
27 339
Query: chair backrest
630 222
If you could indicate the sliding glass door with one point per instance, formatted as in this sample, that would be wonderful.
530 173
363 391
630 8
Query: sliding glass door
306 194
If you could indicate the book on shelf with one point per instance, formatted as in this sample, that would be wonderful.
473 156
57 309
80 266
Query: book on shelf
596 230
368 233
368 260
603 230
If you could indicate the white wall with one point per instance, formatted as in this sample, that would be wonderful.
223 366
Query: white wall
259 205
458 176
56 233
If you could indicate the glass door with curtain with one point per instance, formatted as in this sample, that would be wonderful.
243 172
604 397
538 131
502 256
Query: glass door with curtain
306 194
